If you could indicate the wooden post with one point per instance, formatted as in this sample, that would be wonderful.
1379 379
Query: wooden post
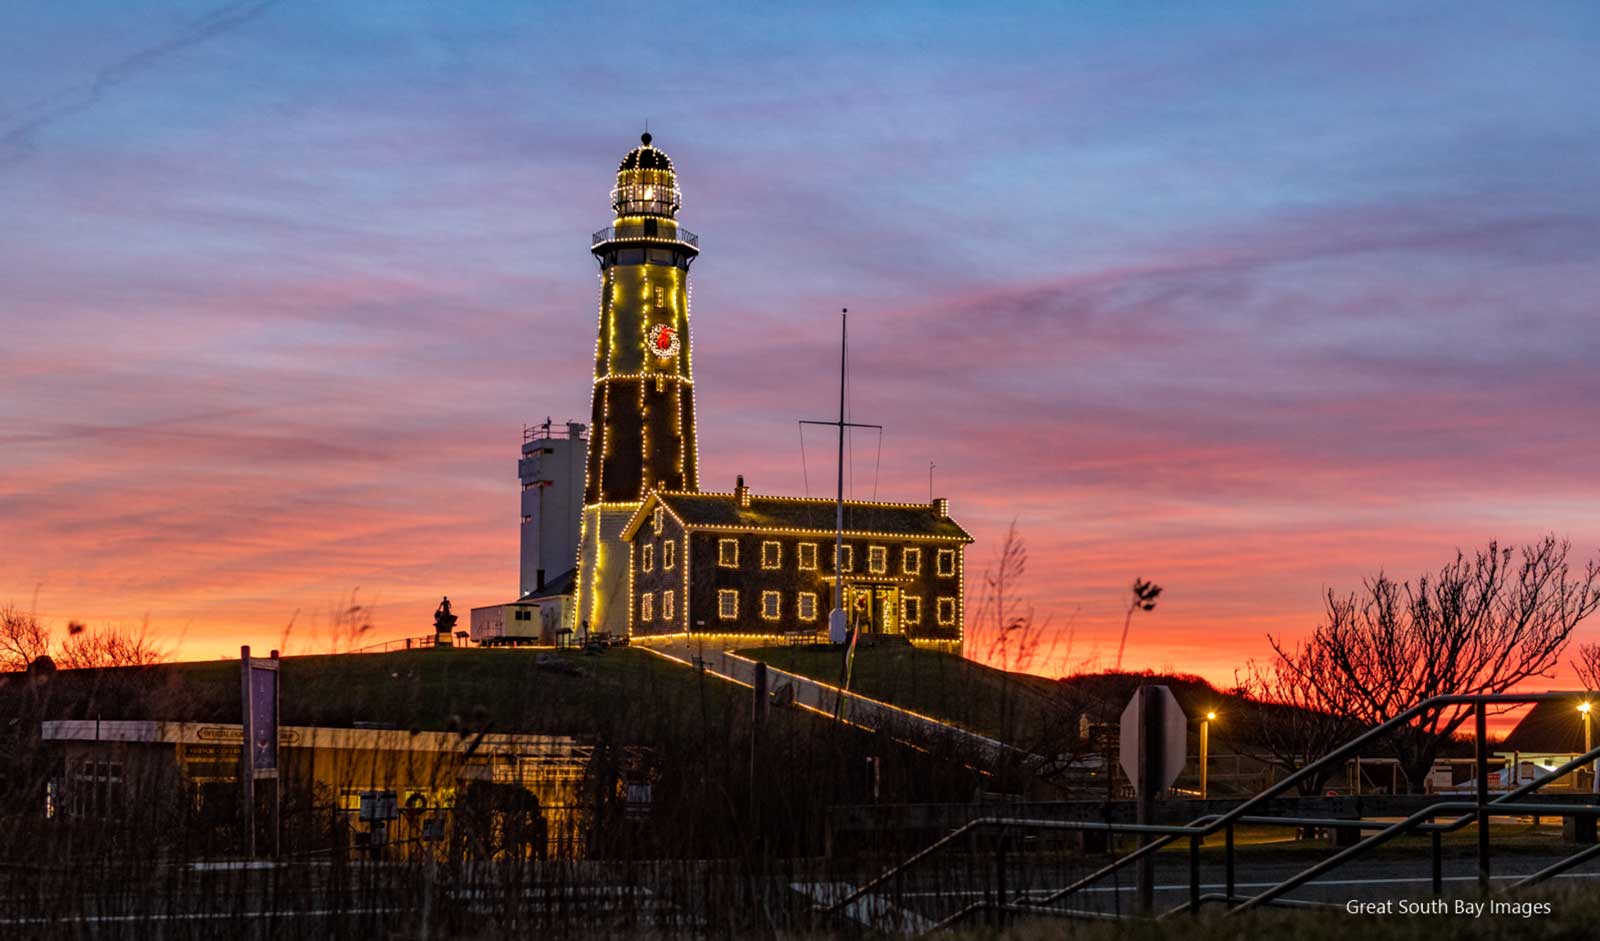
247 764
760 705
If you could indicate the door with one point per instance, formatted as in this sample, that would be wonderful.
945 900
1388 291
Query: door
875 609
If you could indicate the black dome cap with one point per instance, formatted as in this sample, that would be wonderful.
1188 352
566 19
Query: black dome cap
645 157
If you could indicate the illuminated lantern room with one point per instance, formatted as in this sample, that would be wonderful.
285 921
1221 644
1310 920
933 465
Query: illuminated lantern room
646 184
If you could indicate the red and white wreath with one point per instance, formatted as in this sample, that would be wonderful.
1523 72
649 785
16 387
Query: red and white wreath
664 341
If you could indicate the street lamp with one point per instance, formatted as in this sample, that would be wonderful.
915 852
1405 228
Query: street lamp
1205 741
1594 781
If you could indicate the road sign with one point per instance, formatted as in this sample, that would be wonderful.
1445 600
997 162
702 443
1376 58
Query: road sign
1170 749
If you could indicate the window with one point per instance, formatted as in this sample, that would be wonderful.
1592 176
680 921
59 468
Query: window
727 603
911 609
523 614
668 600
847 561
661 297
771 605
807 556
911 560
947 612
771 554
947 561
669 552
96 789
728 553
647 559
877 559
647 607
805 606
657 519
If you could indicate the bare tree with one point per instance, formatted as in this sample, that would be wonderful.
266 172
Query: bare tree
1144 598
107 646
1587 666
1297 712
23 639
1479 625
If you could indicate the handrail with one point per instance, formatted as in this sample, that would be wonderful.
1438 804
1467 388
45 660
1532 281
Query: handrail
1209 824
1468 809
1338 754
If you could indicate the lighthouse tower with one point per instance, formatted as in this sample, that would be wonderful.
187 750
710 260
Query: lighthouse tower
642 435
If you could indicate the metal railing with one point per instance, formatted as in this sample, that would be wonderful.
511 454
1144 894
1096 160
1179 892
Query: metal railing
649 231
400 643
1479 810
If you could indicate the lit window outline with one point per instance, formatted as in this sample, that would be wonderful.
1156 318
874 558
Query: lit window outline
877 560
947 612
667 605
911 560
647 607
725 558
947 562
658 519
669 554
771 605
847 558
806 556
777 554
727 604
911 609
647 559
805 606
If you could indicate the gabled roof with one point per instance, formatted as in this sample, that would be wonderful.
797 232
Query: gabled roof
555 587
1553 727
722 512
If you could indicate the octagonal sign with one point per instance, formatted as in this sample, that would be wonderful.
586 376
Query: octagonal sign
1173 747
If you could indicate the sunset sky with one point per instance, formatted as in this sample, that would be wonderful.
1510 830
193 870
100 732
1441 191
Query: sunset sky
1247 299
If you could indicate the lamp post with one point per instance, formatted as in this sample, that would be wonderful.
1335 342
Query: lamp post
1205 741
1594 782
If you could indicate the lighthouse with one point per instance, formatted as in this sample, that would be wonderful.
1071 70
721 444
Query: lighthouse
642 431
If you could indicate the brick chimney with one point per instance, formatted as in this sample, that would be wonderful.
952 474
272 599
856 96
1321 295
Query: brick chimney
741 493
941 507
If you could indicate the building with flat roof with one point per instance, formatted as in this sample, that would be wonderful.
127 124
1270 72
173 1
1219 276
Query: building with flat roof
443 787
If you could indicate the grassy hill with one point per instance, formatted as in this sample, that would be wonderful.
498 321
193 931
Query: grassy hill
503 690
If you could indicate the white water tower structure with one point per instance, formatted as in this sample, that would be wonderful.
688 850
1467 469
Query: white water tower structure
551 470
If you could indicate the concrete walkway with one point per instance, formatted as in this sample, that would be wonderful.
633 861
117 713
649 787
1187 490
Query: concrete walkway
721 661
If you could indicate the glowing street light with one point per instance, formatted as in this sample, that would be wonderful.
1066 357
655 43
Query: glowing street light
1205 740
1594 782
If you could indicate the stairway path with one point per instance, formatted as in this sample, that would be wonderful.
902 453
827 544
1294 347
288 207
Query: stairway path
721 661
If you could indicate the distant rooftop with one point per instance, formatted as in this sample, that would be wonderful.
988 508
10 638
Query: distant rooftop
549 429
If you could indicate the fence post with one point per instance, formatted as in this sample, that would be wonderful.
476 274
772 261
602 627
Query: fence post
1439 863
1194 874
760 705
1481 754
1227 862
1000 877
